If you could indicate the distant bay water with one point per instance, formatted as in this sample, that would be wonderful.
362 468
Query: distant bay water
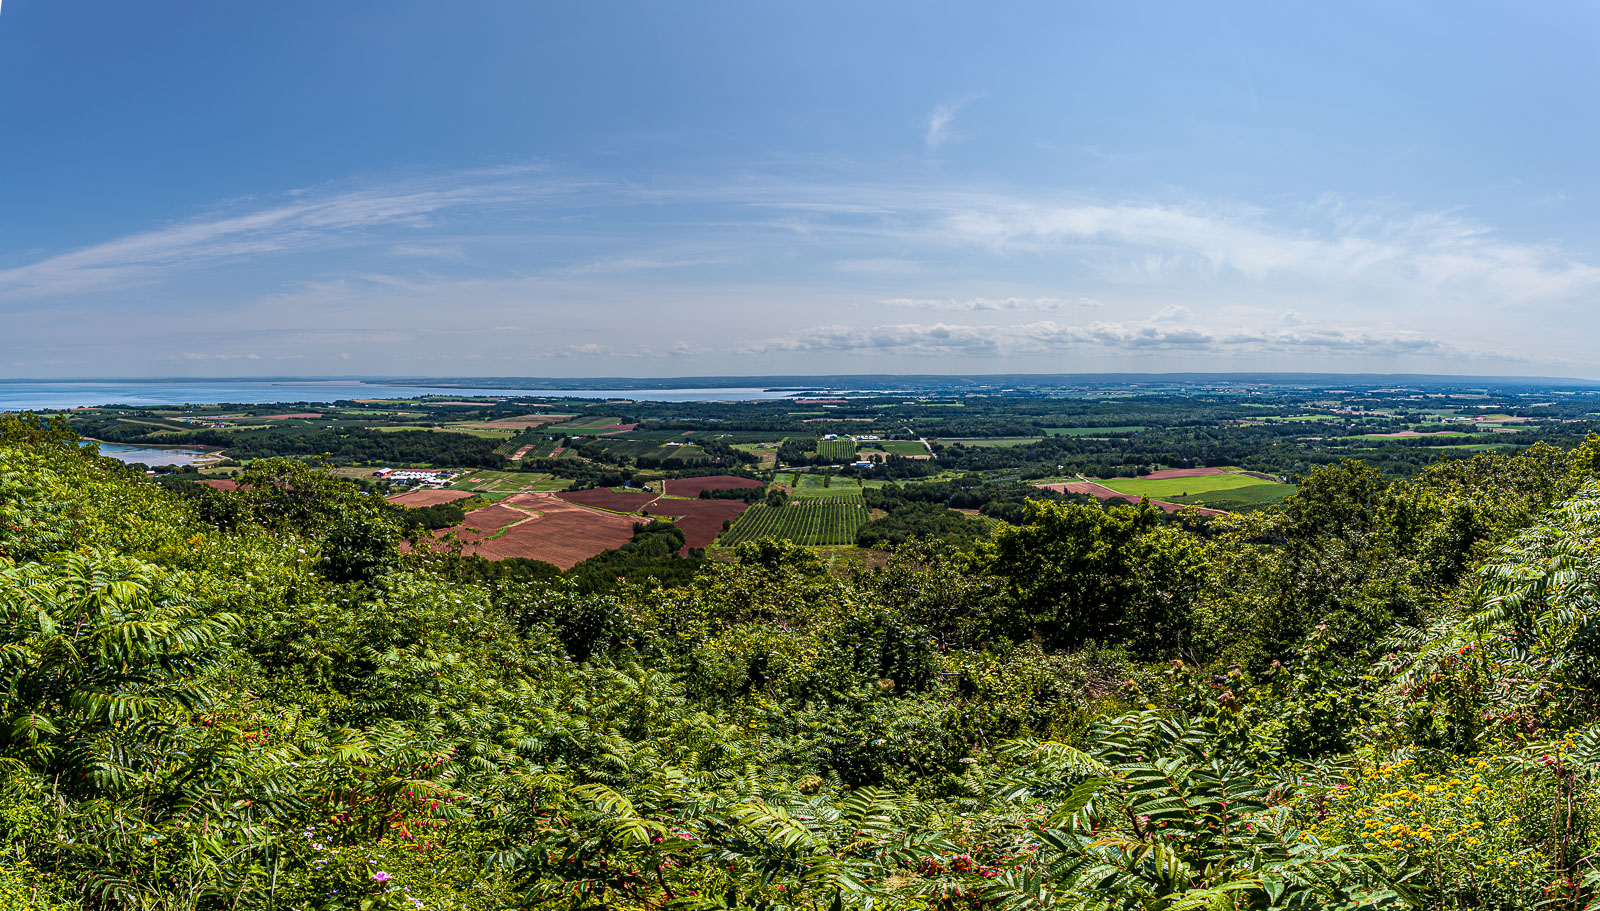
36 395
148 455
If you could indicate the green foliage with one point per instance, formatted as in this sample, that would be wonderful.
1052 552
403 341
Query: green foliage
919 520
357 534
1155 817
656 552
1079 574
252 699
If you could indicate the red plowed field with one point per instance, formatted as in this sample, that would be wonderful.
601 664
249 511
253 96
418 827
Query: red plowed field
699 520
491 519
605 498
220 483
691 487
416 499
541 526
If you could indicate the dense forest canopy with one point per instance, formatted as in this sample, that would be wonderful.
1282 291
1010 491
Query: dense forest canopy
1379 693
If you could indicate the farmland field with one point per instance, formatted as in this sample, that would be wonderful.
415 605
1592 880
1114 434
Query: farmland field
1090 431
539 526
518 422
836 450
832 521
1169 488
991 441
540 448
699 520
416 499
810 486
591 424
691 487
899 447
768 456
490 482
463 430
653 449
627 501
1412 435
1254 496
1477 447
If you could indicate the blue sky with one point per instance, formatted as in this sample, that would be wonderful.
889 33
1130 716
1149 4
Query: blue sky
653 189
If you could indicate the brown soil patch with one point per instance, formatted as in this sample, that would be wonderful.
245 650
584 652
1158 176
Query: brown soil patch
699 520
605 498
691 487
416 499
491 519
220 484
517 456
542 526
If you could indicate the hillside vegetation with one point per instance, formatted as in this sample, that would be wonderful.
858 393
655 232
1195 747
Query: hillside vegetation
1375 694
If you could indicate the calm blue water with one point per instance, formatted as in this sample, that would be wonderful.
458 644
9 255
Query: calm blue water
33 395
151 457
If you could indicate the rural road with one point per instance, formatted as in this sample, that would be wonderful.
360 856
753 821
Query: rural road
925 443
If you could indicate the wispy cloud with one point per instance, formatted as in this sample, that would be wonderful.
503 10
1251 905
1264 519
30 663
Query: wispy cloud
306 220
937 131
524 263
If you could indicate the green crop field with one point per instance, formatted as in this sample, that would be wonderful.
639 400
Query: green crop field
1433 435
464 431
831 521
836 450
586 423
1168 488
1090 431
541 448
1477 447
992 441
811 486
901 447
491 483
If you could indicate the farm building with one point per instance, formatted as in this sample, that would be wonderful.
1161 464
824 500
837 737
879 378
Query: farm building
423 475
